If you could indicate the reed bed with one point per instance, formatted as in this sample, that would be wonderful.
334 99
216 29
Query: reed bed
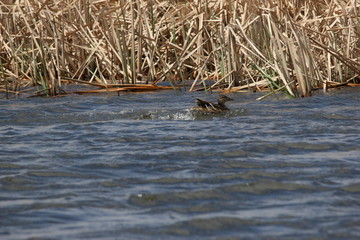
294 46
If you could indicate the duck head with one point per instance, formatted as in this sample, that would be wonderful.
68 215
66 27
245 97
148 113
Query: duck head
223 99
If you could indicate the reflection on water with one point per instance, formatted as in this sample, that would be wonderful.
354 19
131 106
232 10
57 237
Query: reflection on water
146 166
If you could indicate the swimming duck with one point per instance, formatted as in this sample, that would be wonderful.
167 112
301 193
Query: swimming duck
210 107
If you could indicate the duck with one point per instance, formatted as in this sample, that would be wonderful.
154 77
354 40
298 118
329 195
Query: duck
210 107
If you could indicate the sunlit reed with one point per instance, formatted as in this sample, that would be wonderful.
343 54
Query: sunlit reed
294 46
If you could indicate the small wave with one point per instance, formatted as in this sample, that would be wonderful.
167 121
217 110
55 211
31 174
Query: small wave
166 115
188 115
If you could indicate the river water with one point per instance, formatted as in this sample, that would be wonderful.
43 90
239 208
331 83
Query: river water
144 166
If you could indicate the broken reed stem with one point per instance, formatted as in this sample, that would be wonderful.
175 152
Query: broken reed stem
297 46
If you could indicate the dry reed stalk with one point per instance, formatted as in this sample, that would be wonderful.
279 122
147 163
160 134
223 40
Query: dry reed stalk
296 46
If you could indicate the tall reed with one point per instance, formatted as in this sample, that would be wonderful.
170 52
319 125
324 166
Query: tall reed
296 46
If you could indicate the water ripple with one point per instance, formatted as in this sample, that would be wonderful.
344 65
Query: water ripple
145 166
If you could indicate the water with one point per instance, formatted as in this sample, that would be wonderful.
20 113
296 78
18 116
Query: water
143 166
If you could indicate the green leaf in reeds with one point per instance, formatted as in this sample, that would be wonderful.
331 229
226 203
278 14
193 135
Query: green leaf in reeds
275 87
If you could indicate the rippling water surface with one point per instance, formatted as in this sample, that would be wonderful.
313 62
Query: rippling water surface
144 166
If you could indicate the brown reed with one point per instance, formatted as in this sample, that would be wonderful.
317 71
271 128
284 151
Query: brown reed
295 45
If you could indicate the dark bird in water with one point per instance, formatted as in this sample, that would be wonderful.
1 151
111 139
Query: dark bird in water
210 107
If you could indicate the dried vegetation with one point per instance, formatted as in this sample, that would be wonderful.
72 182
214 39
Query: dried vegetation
294 46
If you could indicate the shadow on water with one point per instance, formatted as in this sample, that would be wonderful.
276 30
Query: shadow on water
148 167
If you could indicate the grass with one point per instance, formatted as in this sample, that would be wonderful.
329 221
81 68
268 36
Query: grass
294 46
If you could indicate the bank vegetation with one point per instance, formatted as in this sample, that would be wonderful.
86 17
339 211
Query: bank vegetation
293 46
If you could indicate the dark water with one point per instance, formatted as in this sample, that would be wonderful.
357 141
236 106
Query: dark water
144 166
